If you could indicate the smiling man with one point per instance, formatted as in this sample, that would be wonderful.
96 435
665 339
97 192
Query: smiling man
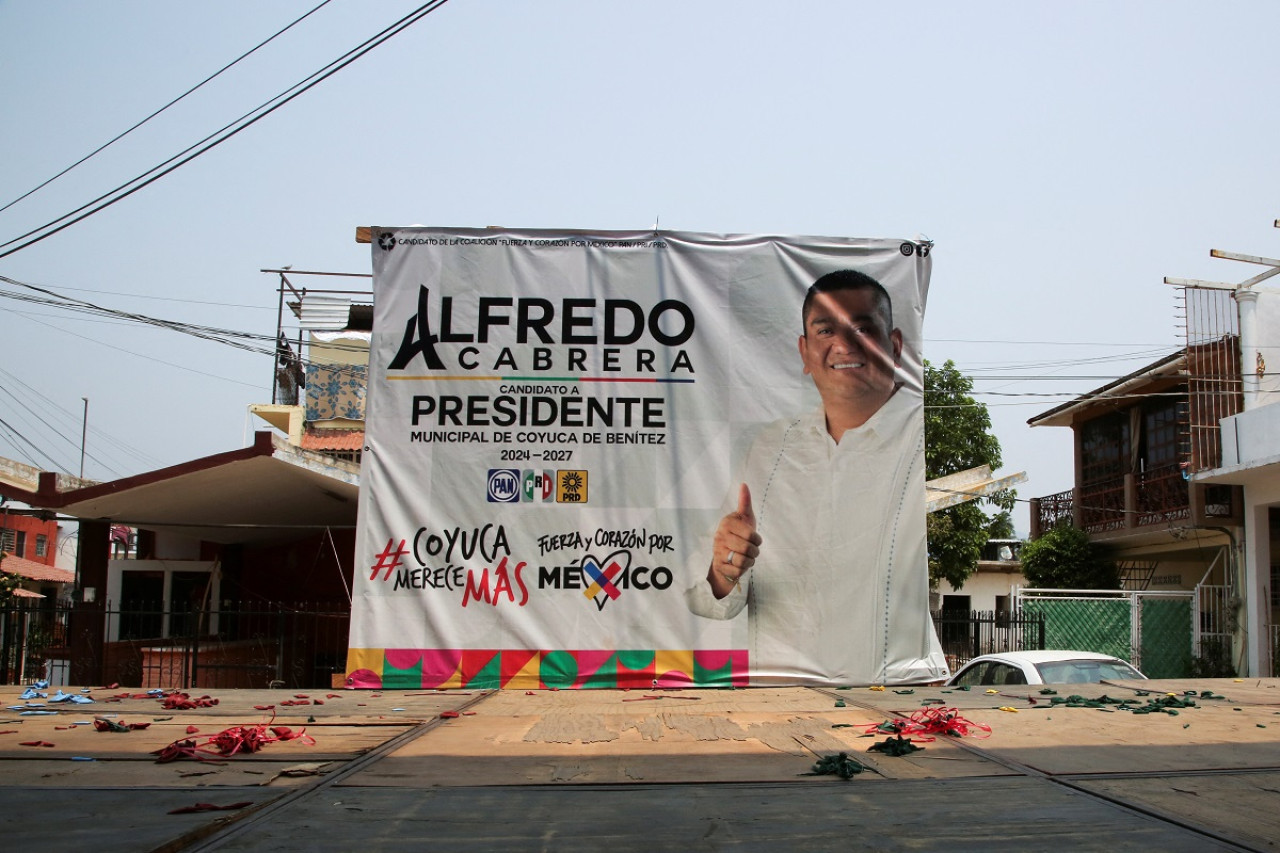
824 542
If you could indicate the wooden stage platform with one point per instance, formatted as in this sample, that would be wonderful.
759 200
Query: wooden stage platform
651 770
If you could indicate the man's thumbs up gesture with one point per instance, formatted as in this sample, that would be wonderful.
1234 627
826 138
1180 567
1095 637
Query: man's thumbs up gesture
735 547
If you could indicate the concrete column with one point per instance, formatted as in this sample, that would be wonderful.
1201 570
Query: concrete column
1255 578
1247 304
88 620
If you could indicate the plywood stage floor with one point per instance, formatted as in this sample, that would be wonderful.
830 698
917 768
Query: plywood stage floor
1086 767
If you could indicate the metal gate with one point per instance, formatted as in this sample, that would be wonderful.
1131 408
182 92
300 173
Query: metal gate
1155 631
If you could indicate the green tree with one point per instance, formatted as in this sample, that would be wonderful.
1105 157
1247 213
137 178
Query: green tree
957 437
1065 558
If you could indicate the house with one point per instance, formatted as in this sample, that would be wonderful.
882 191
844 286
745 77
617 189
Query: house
29 542
1249 462
36 579
1177 471
28 534
321 367
245 556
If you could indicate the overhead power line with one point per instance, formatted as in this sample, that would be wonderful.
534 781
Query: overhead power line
104 146
218 137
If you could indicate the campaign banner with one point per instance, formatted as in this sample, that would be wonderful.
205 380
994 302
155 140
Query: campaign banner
616 459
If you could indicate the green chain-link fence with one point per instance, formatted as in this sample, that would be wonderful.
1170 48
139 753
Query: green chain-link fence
1154 632
1102 625
1166 637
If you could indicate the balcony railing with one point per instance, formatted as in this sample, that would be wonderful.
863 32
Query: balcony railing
1102 505
1163 496
1055 510
1153 497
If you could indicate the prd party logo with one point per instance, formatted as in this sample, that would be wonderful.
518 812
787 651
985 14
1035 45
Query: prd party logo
386 241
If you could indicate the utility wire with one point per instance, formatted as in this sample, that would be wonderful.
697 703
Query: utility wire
75 445
120 136
49 408
16 448
170 298
263 344
192 152
149 358
52 461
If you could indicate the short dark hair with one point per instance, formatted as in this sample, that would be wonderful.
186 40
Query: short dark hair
849 280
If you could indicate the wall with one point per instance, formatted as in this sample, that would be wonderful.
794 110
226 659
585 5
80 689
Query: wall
32 527
984 586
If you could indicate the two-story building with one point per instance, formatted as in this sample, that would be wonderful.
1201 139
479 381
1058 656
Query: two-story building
1177 471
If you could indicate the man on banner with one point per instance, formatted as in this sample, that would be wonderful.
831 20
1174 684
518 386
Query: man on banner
825 542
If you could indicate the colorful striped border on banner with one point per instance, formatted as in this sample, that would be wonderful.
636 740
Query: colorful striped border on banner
413 669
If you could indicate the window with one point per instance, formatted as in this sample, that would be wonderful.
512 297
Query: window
42 545
990 673
1161 435
160 599
7 541
1104 448
974 675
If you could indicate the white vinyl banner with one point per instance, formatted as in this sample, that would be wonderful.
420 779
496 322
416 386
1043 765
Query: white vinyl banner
613 459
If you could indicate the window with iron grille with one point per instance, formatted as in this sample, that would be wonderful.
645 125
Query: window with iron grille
1161 435
1104 447
7 541
42 545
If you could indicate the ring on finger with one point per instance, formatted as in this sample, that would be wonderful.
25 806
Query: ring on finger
729 559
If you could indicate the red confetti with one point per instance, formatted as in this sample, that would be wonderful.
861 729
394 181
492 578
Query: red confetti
927 722
191 730
237 739
35 743
448 715
184 702
263 707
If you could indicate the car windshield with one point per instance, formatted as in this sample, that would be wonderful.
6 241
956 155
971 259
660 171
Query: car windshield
1085 671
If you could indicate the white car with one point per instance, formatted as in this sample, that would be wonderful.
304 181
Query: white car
1042 667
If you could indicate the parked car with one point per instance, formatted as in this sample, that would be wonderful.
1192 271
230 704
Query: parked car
1042 667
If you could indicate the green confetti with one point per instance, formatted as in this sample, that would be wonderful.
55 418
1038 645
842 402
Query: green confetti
839 765
895 746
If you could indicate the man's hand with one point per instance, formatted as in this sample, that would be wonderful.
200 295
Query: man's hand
735 547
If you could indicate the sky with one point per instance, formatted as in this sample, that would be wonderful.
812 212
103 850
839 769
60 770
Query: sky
1064 159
